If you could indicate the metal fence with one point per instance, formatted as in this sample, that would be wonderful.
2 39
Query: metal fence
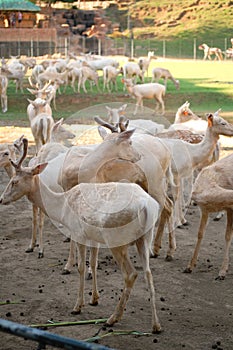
45 338
121 46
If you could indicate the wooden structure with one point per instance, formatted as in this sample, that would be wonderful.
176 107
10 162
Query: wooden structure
27 41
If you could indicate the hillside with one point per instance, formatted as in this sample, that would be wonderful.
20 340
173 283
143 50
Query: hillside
205 20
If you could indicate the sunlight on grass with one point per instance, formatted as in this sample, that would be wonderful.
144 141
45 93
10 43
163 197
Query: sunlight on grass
207 85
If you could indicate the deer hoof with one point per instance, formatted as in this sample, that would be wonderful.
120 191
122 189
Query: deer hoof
154 255
95 303
187 270
74 312
29 250
168 258
220 278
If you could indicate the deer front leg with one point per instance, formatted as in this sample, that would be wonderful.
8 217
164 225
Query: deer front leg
202 226
228 239
34 229
138 104
81 269
41 226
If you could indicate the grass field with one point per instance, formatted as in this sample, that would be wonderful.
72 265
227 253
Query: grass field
207 85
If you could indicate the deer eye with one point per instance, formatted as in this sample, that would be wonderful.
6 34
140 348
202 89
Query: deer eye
15 182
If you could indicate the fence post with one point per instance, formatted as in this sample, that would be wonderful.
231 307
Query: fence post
32 48
164 48
19 47
66 47
194 48
131 44
84 44
37 47
99 46
50 47
225 47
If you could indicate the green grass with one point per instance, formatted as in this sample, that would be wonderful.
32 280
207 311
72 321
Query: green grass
207 85
178 23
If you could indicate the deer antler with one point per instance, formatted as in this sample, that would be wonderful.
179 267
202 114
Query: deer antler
25 148
123 124
18 143
105 124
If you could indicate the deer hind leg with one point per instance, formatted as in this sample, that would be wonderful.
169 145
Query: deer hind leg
128 271
81 269
4 103
159 99
93 264
143 251
41 227
84 85
228 239
201 231
165 217
71 259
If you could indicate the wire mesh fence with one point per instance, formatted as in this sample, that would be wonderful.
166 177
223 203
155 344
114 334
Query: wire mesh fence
181 49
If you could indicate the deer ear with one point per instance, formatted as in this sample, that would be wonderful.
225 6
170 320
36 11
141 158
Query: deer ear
125 135
103 133
58 124
39 168
210 120
30 101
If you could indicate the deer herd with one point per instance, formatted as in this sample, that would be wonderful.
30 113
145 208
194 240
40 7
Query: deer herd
131 188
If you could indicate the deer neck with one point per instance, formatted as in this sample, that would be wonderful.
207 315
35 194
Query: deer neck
90 165
205 148
172 79
9 170
52 203
129 88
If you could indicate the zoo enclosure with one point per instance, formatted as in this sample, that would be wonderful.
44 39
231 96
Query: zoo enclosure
41 41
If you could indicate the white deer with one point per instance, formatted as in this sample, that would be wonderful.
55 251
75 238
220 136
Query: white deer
148 91
188 157
50 176
113 220
165 74
144 62
213 191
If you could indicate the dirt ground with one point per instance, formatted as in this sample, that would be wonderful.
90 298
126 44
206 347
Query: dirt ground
195 310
